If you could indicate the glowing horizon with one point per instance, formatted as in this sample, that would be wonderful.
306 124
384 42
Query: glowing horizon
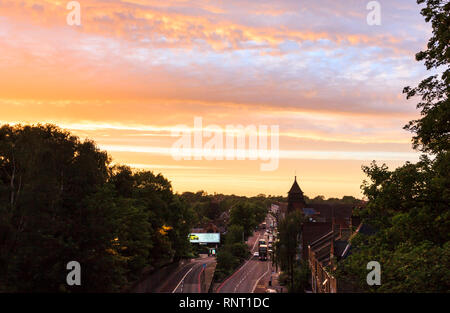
136 70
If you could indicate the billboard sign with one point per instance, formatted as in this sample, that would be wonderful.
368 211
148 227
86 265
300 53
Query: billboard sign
204 238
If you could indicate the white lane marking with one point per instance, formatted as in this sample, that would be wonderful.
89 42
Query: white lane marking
240 282
268 269
248 273
246 262
182 279
257 240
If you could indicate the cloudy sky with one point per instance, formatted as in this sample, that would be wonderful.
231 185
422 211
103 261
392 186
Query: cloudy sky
136 69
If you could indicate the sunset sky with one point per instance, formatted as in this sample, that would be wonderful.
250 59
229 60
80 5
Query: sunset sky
136 69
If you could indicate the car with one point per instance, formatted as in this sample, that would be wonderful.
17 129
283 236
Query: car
194 237
256 254
270 290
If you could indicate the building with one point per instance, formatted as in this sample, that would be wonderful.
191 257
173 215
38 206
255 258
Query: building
296 200
320 216
325 236
312 231
320 219
325 253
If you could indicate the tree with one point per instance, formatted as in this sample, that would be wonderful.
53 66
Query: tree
60 200
226 264
287 248
232 253
409 207
235 233
432 130
47 177
248 215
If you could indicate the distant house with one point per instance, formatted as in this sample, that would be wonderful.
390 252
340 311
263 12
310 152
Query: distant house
209 228
223 219
198 230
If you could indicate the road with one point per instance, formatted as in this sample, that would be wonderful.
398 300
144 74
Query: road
186 279
247 277
245 280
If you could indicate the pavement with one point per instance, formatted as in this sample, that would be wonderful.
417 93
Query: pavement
275 284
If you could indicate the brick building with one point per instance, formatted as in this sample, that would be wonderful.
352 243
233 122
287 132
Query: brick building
324 254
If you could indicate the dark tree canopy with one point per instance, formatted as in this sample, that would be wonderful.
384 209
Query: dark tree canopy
432 130
60 200
410 206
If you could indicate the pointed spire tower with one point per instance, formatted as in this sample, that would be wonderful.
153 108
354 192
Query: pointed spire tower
296 201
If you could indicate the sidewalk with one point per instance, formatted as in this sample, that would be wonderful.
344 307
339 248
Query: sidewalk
276 284
264 284
209 274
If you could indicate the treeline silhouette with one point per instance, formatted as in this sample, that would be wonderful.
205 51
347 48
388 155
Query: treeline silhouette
62 200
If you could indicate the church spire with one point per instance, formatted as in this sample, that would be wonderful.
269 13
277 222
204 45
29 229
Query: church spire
295 197
295 187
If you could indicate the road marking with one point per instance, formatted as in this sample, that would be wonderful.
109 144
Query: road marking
220 287
257 240
182 279
239 269
246 275
242 279
199 280
265 273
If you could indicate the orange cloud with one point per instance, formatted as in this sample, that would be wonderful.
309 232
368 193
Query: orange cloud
135 69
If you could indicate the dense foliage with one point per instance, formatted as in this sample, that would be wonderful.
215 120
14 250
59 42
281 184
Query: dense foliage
410 206
209 207
295 272
60 200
